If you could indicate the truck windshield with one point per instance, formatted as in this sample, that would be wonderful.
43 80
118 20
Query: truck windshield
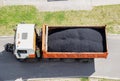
21 51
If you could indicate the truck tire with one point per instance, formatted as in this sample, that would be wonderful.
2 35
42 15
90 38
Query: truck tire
21 60
87 60
9 47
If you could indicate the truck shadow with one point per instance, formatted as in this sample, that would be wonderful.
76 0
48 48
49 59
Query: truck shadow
12 69
68 69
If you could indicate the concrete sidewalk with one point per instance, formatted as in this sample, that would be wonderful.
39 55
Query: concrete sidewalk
65 5
60 5
104 2
53 5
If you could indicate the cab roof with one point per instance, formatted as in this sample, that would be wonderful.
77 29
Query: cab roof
25 36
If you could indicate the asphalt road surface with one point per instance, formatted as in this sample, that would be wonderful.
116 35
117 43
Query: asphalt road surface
11 69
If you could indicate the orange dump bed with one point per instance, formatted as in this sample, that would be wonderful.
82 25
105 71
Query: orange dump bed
85 54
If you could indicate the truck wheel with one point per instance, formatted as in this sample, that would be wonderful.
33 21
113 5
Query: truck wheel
21 60
9 47
87 60
68 60
6 47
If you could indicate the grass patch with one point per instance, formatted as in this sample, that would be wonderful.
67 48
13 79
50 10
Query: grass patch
101 15
84 79
12 15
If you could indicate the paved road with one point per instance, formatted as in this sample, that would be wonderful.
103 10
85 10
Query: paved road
11 69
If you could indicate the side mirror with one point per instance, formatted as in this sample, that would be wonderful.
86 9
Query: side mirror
14 30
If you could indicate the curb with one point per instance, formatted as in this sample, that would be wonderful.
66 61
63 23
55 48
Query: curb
104 77
6 36
68 78
113 34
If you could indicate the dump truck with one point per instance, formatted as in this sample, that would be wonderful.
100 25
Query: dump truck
59 42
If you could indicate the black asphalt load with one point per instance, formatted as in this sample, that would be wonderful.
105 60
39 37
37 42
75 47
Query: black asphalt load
76 40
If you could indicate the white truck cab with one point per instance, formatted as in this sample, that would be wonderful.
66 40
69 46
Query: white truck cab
25 41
